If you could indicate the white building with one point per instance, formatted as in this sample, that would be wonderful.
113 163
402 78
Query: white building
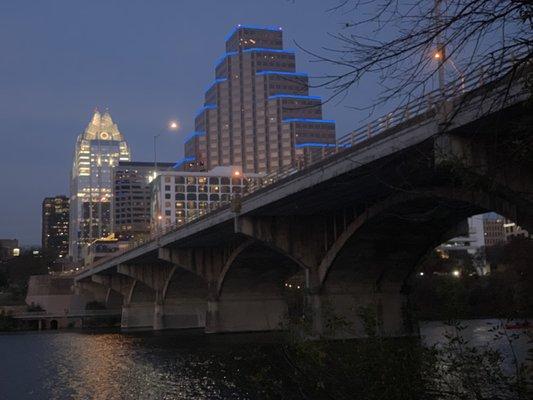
179 196
100 147
472 242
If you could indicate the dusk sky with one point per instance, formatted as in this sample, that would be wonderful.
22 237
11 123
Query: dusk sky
147 61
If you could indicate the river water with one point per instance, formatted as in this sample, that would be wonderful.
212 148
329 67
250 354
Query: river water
81 365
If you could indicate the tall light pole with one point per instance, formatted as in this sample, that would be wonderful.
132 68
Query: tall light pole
440 55
172 126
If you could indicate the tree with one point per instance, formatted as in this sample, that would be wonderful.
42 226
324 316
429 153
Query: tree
410 47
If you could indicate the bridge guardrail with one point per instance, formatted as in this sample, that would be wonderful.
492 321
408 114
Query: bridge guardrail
424 105
70 313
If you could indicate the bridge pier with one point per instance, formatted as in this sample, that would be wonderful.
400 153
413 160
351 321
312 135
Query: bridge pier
245 313
179 297
359 310
137 316
154 279
91 291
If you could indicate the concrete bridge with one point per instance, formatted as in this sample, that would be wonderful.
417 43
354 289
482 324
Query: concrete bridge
349 230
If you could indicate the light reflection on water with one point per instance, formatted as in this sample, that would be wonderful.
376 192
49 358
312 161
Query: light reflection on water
79 366
105 366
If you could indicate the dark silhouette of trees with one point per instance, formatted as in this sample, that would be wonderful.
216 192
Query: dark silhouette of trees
410 46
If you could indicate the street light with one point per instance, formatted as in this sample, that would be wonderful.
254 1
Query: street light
172 126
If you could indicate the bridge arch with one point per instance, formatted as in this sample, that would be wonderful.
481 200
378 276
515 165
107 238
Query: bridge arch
184 300
370 263
435 213
229 262
258 264
113 299
141 293
250 289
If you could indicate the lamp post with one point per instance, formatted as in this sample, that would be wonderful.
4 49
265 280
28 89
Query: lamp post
440 55
172 126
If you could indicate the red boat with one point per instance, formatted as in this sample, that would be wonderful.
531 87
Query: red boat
518 325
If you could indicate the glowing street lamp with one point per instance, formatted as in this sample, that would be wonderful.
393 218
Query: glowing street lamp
172 126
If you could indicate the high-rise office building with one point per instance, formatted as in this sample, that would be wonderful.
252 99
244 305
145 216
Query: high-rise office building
258 113
98 150
131 198
55 221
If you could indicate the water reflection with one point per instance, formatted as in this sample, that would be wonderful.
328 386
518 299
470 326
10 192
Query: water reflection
67 365
105 366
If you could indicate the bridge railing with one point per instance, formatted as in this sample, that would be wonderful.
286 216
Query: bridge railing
153 236
68 313
424 106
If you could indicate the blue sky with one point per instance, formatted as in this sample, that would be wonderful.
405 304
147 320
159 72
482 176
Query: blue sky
148 61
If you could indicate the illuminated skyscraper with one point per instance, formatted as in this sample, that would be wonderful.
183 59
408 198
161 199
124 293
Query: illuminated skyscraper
258 113
98 149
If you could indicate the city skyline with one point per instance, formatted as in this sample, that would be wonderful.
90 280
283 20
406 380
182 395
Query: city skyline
32 107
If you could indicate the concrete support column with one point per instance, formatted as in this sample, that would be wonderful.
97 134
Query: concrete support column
125 317
355 310
314 308
159 311
212 317
154 277
246 312
91 291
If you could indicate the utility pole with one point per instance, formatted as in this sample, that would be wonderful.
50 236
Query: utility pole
440 55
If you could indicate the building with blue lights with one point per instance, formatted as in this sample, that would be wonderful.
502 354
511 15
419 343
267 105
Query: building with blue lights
257 113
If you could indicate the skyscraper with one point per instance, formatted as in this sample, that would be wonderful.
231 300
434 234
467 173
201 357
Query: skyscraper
55 220
258 113
131 213
98 149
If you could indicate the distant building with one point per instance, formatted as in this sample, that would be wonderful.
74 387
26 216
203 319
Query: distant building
258 113
131 198
471 242
98 149
485 231
55 221
9 248
494 231
512 230
179 196
101 248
